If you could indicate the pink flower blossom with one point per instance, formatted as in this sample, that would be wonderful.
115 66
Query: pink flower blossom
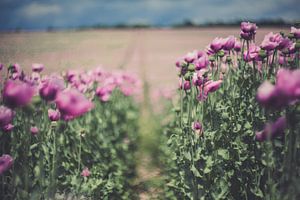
296 32
34 130
104 92
6 116
229 43
50 87
191 56
237 46
17 93
6 161
248 27
71 103
54 115
285 91
212 86
248 30
271 41
8 127
186 85
36 67
217 44
202 62
85 172
252 54
272 130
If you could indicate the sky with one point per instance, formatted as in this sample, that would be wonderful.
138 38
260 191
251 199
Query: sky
33 14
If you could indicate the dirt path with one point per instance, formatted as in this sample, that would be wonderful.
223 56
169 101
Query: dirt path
148 174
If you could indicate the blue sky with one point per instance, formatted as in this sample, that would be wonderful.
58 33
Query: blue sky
32 14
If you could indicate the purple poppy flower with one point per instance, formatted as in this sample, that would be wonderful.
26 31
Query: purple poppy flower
36 67
85 172
202 62
212 86
292 48
284 43
6 161
252 53
237 46
271 41
180 62
34 130
272 130
269 96
191 56
72 103
288 81
127 90
229 43
50 87
217 44
246 36
186 85
282 60
285 91
198 77
248 27
54 115
296 32
6 116
8 127
17 93
197 127
104 92
72 75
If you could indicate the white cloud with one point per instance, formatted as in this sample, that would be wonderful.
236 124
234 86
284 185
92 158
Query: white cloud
34 10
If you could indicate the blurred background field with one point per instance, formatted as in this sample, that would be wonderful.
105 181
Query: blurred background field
150 53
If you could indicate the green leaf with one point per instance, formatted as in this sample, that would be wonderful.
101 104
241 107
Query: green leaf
223 153
195 171
188 156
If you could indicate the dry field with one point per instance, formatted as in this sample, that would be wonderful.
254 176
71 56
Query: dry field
149 53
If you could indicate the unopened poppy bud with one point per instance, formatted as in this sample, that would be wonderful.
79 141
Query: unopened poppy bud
53 124
290 60
177 109
290 35
61 139
187 76
262 53
228 59
184 65
221 53
191 67
211 59
282 34
297 45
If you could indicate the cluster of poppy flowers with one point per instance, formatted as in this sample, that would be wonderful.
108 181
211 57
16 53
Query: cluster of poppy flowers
69 95
205 70
285 92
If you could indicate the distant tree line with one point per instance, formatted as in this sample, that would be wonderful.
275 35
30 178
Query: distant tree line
184 24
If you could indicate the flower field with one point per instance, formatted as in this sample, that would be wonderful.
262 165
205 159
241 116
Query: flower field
72 135
235 130
230 130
